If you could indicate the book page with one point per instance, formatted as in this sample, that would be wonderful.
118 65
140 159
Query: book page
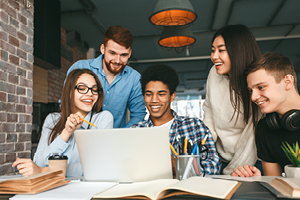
206 186
73 190
148 189
266 179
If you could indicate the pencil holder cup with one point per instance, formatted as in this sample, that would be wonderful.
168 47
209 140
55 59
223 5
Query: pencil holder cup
187 166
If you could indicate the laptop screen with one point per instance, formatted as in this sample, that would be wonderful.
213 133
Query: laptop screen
124 154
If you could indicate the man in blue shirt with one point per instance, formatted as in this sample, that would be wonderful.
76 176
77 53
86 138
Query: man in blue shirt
159 83
121 83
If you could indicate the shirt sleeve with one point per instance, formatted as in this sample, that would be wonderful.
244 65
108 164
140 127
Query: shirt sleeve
77 65
262 144
136 104
208 116
44 150
212 163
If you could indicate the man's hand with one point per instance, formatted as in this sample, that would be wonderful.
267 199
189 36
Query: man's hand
246 171
27 167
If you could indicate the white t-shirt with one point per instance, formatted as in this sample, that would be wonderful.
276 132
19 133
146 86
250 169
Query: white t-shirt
167 124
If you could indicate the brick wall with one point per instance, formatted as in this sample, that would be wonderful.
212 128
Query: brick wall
16 66
56 77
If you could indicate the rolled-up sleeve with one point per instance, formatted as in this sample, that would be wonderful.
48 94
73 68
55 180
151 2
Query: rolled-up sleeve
44 150
212 163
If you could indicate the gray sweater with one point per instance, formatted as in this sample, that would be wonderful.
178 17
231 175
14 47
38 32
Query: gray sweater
234 138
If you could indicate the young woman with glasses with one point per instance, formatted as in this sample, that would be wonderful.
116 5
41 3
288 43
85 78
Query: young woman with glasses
82 98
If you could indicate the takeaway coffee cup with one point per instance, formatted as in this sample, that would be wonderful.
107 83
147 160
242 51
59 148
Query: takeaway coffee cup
58 162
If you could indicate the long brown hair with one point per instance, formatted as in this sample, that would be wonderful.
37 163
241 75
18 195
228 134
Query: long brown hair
242 50
67 100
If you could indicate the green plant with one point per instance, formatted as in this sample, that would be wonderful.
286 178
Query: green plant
293 154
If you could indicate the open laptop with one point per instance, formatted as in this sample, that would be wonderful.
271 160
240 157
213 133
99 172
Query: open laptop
124 154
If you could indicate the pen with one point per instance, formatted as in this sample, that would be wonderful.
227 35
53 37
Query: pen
179 144
178 140
190 146
194 149
187 168
182 140
87 122
172 148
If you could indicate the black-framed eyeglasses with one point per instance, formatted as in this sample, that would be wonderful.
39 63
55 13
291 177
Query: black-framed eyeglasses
83 89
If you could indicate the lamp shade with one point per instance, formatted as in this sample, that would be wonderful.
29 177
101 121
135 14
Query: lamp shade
173 13
173 38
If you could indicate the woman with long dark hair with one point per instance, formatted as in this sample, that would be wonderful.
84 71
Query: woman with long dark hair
228 107
82 98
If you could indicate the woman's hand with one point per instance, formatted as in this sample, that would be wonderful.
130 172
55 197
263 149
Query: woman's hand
73 123
246 171
27 167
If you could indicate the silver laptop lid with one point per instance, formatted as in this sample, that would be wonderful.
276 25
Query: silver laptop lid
124 154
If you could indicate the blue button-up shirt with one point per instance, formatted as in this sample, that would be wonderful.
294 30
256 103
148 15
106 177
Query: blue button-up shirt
124 92
103 120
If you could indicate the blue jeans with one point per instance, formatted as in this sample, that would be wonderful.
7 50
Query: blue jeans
258 165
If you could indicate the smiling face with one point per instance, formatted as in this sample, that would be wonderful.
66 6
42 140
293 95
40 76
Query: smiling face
85 102
158 100
115 57
266 93
220 57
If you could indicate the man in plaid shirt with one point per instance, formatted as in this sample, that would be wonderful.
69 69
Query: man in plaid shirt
159 83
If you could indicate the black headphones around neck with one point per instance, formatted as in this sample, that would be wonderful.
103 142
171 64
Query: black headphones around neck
289 120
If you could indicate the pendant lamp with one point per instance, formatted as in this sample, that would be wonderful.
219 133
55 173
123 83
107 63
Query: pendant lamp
173 13
177 39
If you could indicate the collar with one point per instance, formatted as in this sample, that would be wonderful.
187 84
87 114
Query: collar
150 124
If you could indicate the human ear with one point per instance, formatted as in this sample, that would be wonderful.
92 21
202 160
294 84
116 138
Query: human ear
102 47
288 82
173 96
129 53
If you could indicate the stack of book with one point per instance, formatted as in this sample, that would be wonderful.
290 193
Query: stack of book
33 184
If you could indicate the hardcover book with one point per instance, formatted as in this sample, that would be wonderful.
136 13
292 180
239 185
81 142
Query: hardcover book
33 184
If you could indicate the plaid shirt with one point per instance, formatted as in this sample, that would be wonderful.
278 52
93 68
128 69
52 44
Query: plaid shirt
196 130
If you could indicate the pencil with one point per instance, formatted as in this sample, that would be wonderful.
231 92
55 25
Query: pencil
87 122
185 145
172 148
203 141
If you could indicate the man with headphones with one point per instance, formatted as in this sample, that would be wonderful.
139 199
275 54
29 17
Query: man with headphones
272 83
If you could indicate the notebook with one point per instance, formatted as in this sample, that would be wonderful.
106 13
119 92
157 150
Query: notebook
124 154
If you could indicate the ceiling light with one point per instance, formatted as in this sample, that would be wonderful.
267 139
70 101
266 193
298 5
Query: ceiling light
172 13
172 37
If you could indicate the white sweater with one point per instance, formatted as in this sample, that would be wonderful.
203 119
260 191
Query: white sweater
234 140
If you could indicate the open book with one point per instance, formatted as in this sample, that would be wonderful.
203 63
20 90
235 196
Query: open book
33 184
163 188
284 187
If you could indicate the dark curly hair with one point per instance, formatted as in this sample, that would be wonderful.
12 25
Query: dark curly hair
163 73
